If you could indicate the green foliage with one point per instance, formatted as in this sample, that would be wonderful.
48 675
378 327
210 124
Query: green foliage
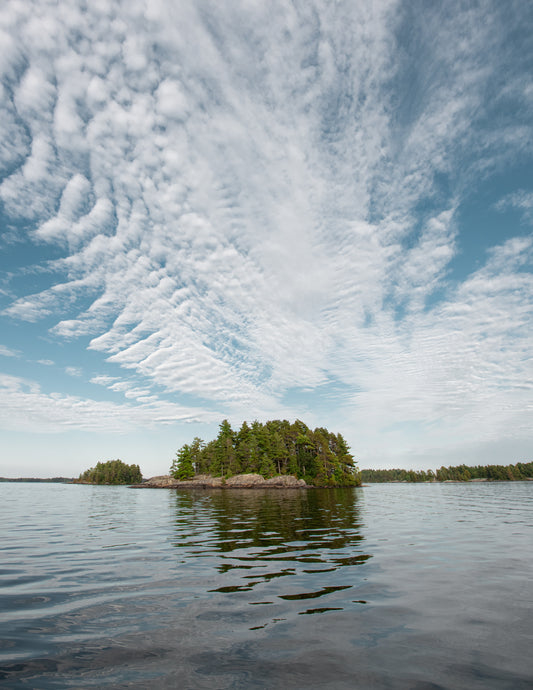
276 447
182 467
47 480
459 473
397 475
112 472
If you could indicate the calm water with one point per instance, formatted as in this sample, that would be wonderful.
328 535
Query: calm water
388 586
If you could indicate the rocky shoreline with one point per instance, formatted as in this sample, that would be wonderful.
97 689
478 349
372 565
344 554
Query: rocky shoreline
239 481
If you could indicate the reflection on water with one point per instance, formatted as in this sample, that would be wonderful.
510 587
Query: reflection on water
275 533
391 586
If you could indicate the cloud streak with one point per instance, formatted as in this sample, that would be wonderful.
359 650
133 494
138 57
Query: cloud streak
26 408
250 200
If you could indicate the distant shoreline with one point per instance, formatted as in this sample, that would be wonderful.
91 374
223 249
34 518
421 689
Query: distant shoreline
241 481
452 481
454 473
39 480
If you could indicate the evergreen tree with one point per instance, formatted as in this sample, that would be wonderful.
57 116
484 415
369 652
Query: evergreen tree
196 453
224 449
182 467
276 447
461 473
112 472
243 447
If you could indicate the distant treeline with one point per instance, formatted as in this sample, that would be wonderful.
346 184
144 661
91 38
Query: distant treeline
278 447
459 473
111 472
57 480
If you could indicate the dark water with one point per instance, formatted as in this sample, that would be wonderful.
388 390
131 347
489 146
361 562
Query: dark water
388 586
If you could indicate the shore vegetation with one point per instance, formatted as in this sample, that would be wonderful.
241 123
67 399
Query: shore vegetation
276 447
111 472
41 480
458 473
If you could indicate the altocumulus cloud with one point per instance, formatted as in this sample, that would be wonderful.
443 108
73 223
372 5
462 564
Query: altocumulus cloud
245 205
24 407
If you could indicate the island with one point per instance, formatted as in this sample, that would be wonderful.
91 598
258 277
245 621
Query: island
111 472
276 454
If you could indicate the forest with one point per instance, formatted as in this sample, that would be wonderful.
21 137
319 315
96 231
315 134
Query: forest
111 472
458 473
277 447
39 480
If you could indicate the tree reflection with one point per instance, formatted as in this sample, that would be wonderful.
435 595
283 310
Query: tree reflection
251 529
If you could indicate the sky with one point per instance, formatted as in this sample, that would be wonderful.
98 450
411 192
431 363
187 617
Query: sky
264 210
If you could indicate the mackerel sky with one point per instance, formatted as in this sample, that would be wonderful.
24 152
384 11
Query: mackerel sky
260 210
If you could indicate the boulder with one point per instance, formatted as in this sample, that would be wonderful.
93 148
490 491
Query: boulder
285 481
245 481
239 481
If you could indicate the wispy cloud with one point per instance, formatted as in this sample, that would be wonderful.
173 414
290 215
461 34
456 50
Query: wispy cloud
8 352
255 198
25 407
461 370
522 201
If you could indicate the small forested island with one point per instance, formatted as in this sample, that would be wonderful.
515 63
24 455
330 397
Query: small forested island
39 480
458 473
276 448
111 472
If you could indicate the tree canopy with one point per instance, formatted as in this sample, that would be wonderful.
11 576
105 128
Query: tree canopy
277 447
112 472
458 473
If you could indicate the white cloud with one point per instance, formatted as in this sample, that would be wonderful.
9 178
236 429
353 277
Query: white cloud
259 198
25 407
171 101
103 379
463 369
8 352
34 97
521 200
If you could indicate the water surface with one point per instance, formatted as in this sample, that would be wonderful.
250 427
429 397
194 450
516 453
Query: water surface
388 586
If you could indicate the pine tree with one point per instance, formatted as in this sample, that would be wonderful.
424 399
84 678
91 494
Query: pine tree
112 472
182 467
320 457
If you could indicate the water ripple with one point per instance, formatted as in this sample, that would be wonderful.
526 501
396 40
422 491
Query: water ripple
108 587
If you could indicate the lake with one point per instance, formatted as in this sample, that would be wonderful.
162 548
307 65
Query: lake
413 586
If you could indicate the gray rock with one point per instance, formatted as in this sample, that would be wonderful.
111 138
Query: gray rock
239 481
